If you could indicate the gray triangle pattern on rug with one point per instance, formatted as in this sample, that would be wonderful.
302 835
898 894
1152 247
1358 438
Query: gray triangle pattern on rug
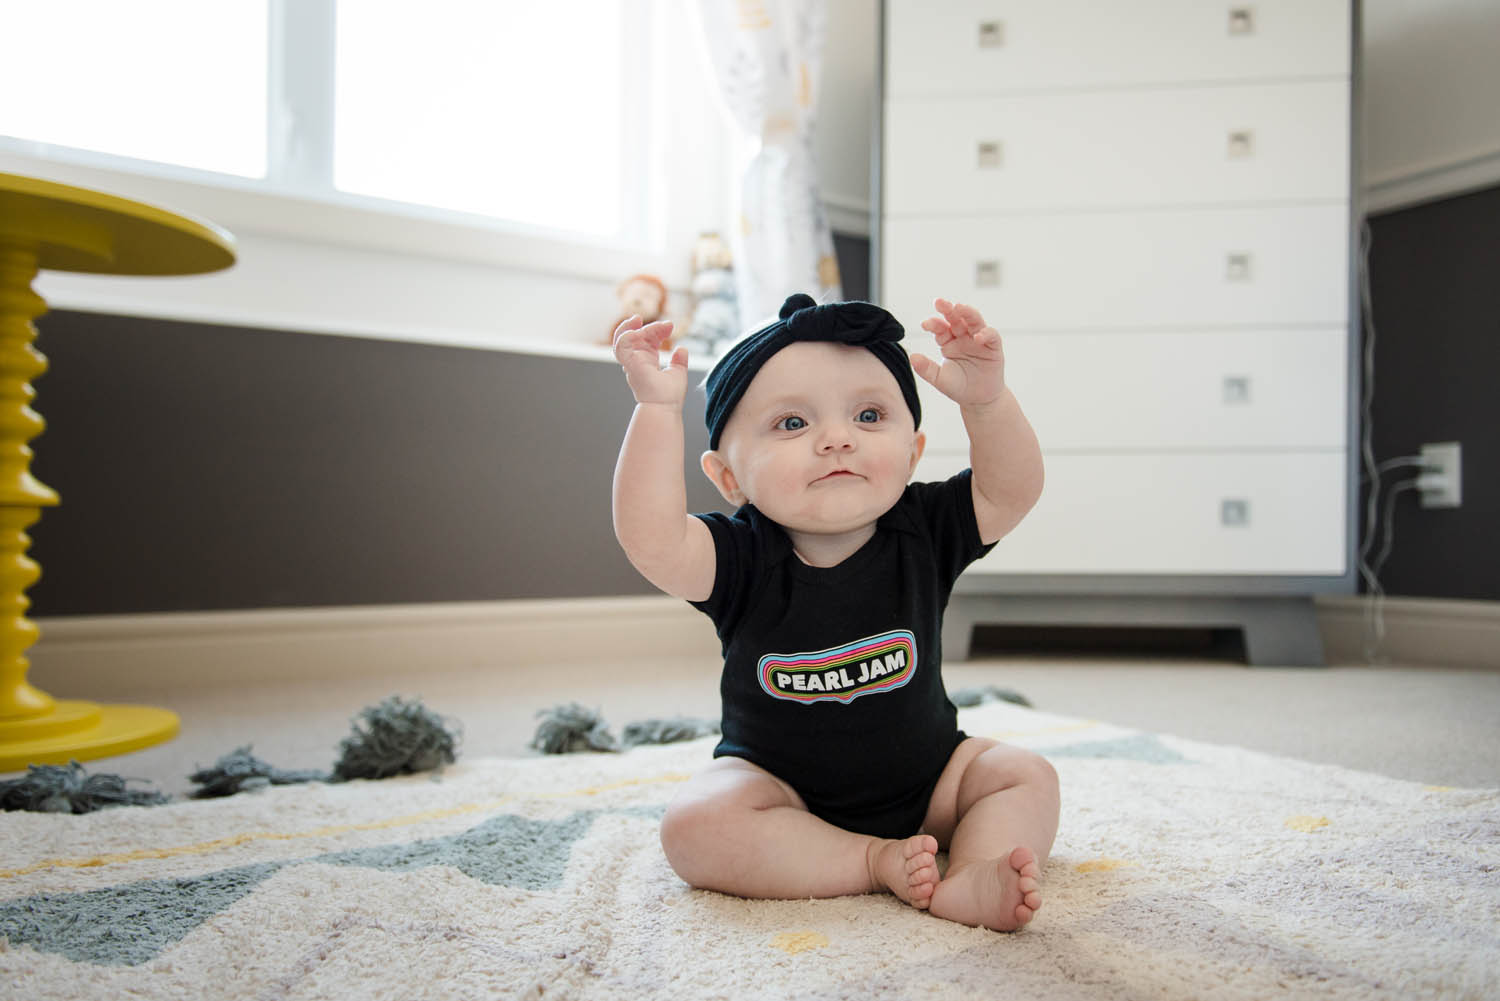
133 923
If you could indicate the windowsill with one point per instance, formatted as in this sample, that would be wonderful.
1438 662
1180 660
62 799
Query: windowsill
350 221
352 270
478 340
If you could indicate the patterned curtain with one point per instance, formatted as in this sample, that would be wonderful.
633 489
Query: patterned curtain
767 56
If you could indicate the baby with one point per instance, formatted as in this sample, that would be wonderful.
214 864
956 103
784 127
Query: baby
841 769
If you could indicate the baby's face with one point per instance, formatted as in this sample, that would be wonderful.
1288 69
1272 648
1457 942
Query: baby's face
822 441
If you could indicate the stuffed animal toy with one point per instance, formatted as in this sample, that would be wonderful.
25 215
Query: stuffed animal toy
644 296
716 316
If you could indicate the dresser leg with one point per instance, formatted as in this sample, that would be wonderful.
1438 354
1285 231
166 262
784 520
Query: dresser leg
958 630
1282 633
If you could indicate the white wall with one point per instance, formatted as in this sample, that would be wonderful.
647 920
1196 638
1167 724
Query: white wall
844 143
1431 99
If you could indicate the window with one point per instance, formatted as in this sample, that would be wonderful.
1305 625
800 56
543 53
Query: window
477 173
506 110
516 113
127 78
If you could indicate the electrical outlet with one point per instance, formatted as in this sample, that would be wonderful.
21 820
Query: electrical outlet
1441 482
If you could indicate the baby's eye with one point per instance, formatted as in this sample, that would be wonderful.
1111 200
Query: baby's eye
869 415
791 423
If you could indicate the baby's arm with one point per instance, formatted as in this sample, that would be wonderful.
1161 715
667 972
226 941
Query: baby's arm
1003 450
671 549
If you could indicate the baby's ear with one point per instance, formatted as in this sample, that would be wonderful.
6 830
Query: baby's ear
721 476
918 446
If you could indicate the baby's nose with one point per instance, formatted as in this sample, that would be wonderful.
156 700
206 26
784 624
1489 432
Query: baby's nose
838 439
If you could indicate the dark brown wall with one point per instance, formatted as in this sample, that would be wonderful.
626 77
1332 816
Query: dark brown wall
1435 287
205 467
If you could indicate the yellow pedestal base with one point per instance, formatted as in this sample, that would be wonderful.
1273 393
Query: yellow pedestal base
50 226
81 731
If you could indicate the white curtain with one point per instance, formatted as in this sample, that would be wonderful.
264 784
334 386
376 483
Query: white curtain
767 57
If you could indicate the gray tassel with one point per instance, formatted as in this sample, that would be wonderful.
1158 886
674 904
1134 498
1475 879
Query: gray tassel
241 771
667 731
68 789
966 698
399 738
572 728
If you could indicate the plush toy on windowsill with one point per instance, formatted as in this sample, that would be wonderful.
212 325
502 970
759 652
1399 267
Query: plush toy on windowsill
716 320
644 296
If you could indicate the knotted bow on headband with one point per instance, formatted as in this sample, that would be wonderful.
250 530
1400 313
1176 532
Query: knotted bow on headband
861 324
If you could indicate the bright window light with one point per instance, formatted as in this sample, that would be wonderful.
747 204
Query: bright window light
173 81
510 110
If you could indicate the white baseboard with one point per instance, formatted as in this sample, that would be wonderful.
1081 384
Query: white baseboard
1418 631
1415 184
114 655
150 652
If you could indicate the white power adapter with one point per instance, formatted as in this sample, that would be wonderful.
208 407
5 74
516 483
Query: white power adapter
1441 480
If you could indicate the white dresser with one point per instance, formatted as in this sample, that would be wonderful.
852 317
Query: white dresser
1150 200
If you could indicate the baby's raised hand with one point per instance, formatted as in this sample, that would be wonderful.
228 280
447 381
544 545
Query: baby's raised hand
973 368
638 350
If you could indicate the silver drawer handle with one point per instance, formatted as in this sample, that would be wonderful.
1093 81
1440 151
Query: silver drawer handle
991 154
991 34
1237 268
1242 20
1236 389
1241 144
987 274
1234 512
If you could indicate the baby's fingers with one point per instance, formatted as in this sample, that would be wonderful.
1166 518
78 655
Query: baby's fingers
631 337
938 327
964 319
626 325
925 367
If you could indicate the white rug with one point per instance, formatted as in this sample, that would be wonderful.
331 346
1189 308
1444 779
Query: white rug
1182 870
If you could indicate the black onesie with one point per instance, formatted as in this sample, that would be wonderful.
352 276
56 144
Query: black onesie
832 676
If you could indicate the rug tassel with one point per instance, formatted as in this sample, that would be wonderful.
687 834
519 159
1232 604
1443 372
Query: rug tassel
69 789
241 771
967 698
573 728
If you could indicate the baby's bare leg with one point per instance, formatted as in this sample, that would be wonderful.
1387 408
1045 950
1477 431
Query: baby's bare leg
738 829
997 808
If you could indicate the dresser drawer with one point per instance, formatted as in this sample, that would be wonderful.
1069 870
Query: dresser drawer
1177 514
1199 146
1122 270
1250 389
998 46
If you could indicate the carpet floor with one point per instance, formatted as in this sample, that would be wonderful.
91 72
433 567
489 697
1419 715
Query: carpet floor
1182 870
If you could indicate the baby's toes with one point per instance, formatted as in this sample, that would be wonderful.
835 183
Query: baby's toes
921 886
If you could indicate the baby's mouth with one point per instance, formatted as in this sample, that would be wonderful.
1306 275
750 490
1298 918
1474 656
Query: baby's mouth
837 474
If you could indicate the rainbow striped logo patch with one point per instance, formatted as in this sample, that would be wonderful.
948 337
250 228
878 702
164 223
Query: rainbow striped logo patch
844 673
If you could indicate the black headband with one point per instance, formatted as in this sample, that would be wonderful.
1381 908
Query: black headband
860 324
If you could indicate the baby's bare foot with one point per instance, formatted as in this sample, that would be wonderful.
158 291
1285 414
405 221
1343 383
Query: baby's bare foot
1002 893
907 868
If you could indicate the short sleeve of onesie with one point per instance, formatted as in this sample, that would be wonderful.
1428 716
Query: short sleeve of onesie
747 543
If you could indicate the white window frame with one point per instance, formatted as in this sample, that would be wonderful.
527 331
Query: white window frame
296 207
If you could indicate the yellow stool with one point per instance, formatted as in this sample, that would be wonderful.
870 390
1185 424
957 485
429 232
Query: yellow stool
44 225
